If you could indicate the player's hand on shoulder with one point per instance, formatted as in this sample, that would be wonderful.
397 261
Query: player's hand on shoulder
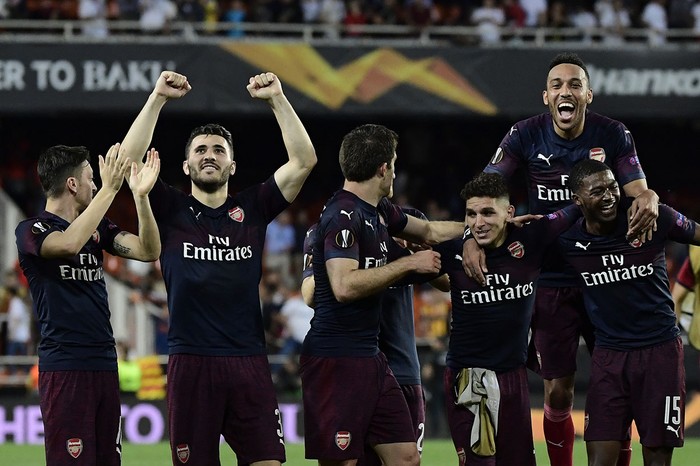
426 261
474 261
172 85
642 216
141 182
264 86
113 168
521 220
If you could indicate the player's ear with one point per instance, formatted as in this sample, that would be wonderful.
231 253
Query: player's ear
576 198
185 168
72 185
511 211
544 97
381 171
233 167
589 96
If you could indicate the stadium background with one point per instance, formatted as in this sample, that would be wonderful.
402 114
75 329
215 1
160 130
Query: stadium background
451 106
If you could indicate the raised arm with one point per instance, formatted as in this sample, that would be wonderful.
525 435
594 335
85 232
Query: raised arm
170 85
290 177
68 243
146 246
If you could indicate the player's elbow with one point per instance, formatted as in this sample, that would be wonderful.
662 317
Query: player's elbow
344 294
147 254
309 161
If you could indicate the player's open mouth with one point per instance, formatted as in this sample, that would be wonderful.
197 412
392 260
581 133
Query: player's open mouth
566 110
608 207
210 165
481 233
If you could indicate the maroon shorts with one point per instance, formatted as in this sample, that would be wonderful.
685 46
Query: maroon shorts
415 399
647 385
514 444
82 417
350 402
233 396
559 319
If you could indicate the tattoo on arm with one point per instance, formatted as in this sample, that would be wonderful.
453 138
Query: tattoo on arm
119 248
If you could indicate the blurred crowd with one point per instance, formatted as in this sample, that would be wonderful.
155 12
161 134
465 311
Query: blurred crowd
613 17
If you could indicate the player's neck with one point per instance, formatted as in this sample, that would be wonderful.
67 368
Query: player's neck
213 200
570 134
598 228
60 208
365 190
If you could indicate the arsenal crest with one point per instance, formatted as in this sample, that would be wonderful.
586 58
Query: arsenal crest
597 153
516 249
183 452
635 243
96 236
236 214
342 439
74 447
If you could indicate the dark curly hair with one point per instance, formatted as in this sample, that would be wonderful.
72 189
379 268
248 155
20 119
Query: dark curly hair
485 185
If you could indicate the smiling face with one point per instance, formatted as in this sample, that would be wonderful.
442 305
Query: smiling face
209 164
598 197
567 95
487 218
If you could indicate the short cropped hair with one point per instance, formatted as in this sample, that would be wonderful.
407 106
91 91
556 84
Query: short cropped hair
486 185
213 129
572 59
58 163
366 148
582 170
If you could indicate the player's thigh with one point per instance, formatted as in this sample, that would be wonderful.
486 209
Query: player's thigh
339 397
398 454
658 393
253 423
558 321
608 403
514 444
81 413
196 408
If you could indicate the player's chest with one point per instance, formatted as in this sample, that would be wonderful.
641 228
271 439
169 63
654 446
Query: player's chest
374 242
616 257
230 228
557 159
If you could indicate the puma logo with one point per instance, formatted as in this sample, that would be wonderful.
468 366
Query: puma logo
458 257
675 431
582 246
545 158
345 212
369 224
560 444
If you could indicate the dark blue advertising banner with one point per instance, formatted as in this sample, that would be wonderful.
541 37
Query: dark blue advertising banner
348 81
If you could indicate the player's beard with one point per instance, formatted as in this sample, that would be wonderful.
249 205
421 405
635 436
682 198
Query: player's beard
210 185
